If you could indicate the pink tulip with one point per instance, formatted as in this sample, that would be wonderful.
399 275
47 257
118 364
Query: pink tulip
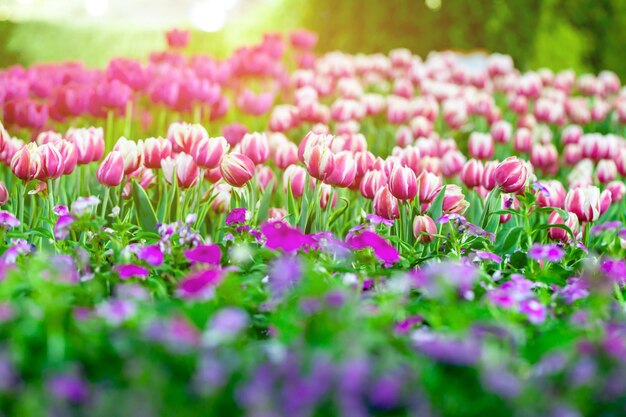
364 162
454 200
523 140
605 201
371 182
309 141
545 157
480 145
404 136
69 155
178 38
4 194
89 143
132 153
286 154
51 162
411 157
501 131
237 169
584 202
606 171
111 170
617 189
294 177
452 163
385 204
472 173
572 154
423 229
234 133
184 136
253 104
48 136
553 196
208 152
26 163
429 186
325 196
283 118
509 202
403 183
511 175
154 150
556 233
571 134
320 162
256 147
344 170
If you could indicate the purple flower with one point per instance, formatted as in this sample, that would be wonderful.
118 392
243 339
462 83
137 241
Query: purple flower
403 326
199 285
551 252
443 348
68 387
63 226
65 269
283 274
84 205
7 220
236 216
126 271
377 220
488 256
116 311
575 289
207 254
151 255
61 210
280 235
534 310
225 325
501 382
614 269
382 249
175 333
541 188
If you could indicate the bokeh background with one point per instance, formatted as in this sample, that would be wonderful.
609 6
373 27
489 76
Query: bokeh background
586 35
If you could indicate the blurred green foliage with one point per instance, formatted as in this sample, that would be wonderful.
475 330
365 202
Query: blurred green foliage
584 35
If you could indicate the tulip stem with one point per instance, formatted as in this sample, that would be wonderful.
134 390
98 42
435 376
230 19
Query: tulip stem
105 201
50 199
22 191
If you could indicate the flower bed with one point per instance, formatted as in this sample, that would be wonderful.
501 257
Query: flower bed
312 235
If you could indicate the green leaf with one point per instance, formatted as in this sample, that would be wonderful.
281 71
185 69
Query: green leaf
550 226
436 208
145 212
291 206
339 212
264 205
510 241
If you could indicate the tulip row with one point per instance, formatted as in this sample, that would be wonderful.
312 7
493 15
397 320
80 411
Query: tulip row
394 236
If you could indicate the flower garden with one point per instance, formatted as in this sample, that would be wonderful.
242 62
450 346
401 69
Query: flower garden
284 233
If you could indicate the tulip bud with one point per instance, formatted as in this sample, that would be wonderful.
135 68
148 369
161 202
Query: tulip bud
309 141
572 154
364 162
403 183
187 171
423 229
431 164
4 193
320 162
429 186
69 155
294 177
111 170
605 201
452 163
184 136
411 157
606 171
511 175
472 173
385 204
154 150
571 134
237 169
523 140
26 163
556 233
256 147
132 153
344 170
208 152
553 194
264 176
480 145
454 200
617 189
372 181
89 143
584 202
51 162
285 154
501 131
404 136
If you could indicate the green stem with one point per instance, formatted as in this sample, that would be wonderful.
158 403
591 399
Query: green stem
105 201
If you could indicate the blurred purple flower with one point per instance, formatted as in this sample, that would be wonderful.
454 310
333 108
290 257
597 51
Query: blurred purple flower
382 249
61 210
126 271
488 256
65 269
541 188
533 310
208 254
84 205
116 311
377 220
550 252
575 289
501 382
63 226
283 273
614 269
404 326
68 387
444 348
152 255
199 285
7 220
236 216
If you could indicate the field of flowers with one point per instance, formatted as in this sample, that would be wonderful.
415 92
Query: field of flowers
285 234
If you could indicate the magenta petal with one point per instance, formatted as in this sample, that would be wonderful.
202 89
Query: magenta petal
199 285
151 255
129 271
208 254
